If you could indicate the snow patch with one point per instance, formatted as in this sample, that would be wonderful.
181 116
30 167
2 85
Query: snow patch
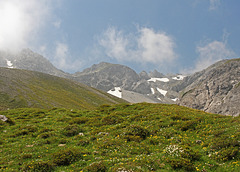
116 92
159 99
163 92
153 91
174 99
178 77
9 63
158 79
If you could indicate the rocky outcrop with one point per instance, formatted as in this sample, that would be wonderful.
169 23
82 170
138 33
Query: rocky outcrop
29 60
216 90
3 118
106 76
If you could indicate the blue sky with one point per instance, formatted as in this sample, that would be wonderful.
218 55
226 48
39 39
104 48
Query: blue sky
171 36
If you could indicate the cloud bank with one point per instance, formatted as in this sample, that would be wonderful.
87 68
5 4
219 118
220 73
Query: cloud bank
147 46
211 53
20 21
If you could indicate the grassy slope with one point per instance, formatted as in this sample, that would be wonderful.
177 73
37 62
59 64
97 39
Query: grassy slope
21 88
138 137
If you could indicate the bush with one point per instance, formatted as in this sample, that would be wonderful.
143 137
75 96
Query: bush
225 142
226 154
190 154
111 119
83 143
26 156
79 120
71 130
39 166
181 163
135 130
45 135
67 156
188 125
96 167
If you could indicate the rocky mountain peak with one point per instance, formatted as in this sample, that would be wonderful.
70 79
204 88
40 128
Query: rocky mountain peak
215 89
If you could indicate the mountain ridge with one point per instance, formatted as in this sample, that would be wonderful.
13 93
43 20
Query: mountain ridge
123 81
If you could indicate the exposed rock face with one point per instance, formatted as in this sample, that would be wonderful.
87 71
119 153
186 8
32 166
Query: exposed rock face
216 89
106 76
29 60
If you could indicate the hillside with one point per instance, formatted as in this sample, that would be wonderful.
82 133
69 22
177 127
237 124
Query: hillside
22 88
138 137
215 89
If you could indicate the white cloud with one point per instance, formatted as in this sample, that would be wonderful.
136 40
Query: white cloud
19 20
155 47
211 53
61 55
57 23
214 4
63 59
148 46
115 44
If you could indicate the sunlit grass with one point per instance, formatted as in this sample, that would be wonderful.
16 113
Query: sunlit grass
138 137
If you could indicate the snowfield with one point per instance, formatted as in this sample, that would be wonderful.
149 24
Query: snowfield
116 92
174 99
179 77
9 63
152 89
158 79
163 92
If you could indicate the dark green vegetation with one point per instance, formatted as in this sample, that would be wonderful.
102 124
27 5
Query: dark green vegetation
138 137
22 88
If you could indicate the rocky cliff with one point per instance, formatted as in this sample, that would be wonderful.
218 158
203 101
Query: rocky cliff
215 89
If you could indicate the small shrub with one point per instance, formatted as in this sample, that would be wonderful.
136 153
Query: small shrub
104 108
10 121
226 154
224 142
67 156
135 130
71 130
29 128
79 120
191 154
188 125
26 156
45 135
44 130
39 166
153 141
83 143
181 163
96 167
21 133
111 119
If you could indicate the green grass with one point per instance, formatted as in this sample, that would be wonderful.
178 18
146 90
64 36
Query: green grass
24 89
138 137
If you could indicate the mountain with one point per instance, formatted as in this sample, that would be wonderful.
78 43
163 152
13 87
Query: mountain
150 87
22 88
106 76
215 89
27 59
